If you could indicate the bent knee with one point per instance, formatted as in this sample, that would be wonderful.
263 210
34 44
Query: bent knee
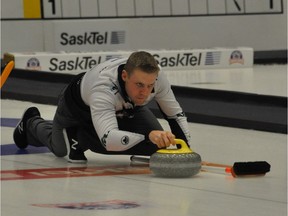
60 152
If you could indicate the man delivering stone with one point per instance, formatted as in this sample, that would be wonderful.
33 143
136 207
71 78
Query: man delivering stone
105 110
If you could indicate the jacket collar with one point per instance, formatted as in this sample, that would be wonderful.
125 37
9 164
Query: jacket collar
122 85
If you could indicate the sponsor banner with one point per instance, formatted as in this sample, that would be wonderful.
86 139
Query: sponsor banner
205 59
61 62
76 62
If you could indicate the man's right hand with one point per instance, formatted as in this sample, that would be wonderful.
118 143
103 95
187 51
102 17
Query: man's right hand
162 139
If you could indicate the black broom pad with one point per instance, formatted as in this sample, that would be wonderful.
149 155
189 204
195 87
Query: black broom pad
251 168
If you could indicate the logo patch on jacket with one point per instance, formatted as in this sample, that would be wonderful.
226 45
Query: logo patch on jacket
125 140
114 88
103 140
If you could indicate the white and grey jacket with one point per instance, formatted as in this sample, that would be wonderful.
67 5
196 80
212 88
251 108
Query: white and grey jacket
103 93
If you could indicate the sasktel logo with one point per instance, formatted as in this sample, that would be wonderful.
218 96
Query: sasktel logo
179 59
93 38
187 59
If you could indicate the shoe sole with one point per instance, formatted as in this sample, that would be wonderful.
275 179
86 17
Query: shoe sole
14 135
16 128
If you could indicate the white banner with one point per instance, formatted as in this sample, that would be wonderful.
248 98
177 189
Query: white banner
76 62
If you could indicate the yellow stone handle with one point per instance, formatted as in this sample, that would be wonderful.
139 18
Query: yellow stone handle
184 148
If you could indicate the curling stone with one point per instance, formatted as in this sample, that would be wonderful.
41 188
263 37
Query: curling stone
175 163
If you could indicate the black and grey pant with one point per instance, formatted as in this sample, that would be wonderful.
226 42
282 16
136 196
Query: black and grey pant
41 132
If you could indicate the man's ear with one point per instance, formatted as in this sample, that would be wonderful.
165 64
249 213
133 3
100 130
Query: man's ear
124 75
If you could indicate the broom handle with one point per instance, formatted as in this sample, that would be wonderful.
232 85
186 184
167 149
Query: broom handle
206 163
6 72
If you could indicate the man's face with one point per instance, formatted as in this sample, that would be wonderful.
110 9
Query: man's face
139 85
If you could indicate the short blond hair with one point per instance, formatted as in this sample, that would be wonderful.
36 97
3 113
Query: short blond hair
141 60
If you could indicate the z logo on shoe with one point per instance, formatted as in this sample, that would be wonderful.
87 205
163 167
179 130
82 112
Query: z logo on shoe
20 127
75 143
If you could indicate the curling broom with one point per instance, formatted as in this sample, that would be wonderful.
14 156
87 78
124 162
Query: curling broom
6 72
